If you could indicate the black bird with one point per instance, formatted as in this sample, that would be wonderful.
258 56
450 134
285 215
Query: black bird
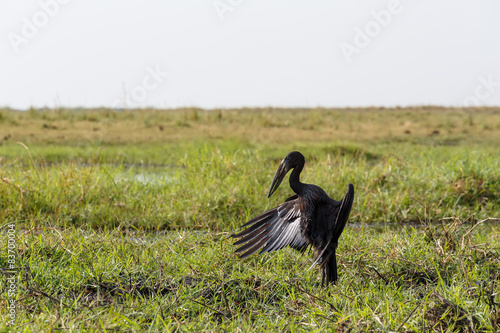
310 217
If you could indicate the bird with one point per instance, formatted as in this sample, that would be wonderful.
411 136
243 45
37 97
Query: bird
307 218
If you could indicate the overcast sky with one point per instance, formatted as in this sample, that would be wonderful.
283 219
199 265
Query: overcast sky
235 53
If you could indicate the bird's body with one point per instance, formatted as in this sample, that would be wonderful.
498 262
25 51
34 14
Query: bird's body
309 218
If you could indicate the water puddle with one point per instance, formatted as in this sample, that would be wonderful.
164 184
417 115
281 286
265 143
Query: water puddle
146 176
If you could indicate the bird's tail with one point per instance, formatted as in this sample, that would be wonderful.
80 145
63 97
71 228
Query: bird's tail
329 269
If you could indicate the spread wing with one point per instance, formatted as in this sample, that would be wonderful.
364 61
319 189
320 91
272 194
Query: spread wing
273 230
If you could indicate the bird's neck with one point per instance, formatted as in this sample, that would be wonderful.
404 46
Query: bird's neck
295 183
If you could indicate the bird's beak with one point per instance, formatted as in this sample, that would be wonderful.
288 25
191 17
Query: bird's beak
278 177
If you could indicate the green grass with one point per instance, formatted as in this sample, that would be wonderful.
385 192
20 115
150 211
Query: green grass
394 279
219 185
123 219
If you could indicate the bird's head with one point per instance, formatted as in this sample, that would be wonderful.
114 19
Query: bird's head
291 161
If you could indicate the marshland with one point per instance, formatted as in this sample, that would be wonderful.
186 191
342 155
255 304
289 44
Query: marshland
122 219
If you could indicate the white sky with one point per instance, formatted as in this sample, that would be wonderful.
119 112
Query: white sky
262 53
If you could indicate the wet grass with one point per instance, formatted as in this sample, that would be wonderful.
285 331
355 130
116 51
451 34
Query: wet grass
437 278
123 218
